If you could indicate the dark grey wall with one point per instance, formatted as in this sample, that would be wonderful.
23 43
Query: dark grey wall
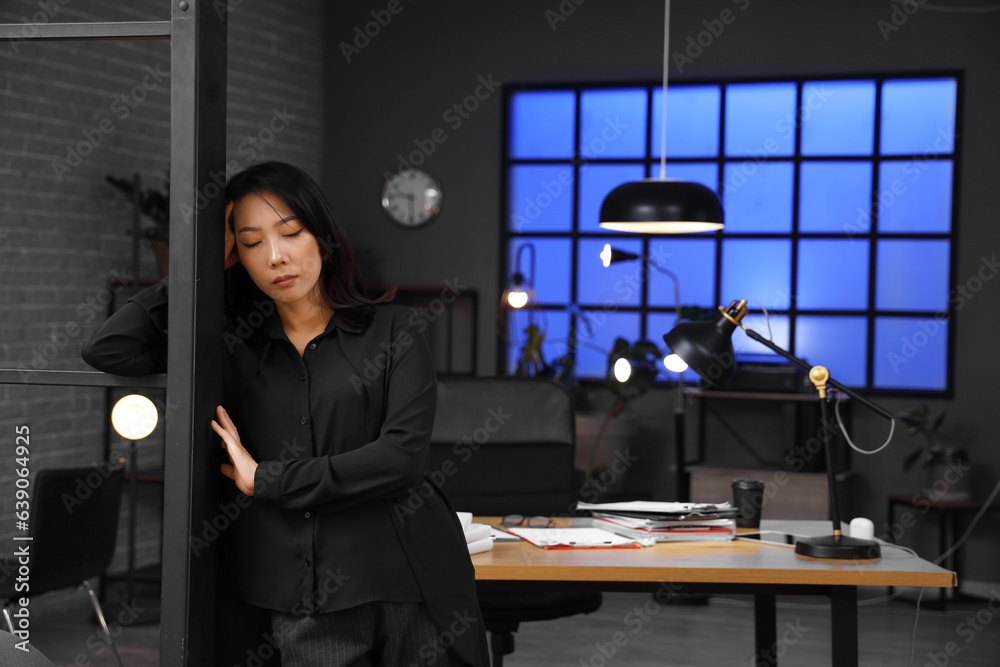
430 56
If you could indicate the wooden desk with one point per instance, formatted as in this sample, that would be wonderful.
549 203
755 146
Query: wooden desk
740 566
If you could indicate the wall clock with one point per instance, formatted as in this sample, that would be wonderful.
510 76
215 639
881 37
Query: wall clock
412 198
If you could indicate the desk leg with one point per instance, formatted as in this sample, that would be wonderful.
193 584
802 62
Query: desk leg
844 625
765 620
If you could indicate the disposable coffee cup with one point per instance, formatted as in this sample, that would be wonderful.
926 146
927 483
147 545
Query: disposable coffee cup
748 498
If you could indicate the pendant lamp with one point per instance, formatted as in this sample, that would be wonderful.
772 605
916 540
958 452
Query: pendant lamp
662 205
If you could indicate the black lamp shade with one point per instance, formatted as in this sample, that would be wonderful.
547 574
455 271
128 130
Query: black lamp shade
662 206
707 347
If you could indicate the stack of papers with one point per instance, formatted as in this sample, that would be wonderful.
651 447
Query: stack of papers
574 538
664 521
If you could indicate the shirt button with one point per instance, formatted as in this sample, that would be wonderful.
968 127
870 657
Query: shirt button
302 378
312 346
303 420
308 514
308 562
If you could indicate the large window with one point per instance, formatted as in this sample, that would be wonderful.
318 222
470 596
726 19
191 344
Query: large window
840 218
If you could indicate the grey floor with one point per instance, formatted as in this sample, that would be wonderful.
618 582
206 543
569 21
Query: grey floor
632 629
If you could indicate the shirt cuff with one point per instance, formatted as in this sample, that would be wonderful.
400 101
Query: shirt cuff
267 480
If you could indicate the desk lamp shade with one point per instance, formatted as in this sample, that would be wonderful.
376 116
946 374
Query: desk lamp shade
662 206
707 347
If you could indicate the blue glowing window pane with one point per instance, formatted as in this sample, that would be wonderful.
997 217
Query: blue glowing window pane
697 172
552 268
657 324
833 275
779 334
835 196
540 198
542 124
596 181
592 351
613 123
912 275
838 118
693 261
617 285
918 116
760 119
758 269
915 196
911 353
757 196
839 343
692 121
554 324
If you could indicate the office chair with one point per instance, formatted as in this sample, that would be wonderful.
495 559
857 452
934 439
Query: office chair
12 656
73 523
511 441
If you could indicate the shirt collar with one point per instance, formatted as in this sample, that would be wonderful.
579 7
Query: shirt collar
275 330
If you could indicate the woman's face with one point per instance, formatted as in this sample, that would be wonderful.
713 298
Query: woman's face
280 254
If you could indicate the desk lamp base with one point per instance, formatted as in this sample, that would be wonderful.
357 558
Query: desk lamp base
841 547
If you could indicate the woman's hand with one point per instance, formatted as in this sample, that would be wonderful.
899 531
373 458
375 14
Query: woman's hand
241 467
232 254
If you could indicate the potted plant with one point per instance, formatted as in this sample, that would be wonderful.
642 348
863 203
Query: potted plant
949 479
153 203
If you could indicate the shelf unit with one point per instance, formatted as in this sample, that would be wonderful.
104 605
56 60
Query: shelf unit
198 72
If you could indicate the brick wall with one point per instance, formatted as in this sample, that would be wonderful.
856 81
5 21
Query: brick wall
71 113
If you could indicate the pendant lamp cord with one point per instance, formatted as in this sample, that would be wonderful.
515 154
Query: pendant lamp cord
663 99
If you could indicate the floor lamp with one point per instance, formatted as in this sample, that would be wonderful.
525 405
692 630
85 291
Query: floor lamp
672 362
708 349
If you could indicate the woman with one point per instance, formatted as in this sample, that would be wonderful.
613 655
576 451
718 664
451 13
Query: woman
328 406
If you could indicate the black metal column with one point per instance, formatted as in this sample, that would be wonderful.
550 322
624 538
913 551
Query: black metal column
765 620
194 388
844 625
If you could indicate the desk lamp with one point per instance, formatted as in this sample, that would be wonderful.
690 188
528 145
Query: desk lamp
707 348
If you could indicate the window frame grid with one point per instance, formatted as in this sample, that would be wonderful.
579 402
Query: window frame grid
650 162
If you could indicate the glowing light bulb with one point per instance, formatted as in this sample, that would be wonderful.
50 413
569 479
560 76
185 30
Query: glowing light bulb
134 417
623 370
606 255
674 363
517 298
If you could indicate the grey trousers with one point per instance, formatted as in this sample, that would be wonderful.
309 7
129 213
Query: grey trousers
387 634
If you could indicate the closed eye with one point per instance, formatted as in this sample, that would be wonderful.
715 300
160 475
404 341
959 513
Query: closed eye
287 236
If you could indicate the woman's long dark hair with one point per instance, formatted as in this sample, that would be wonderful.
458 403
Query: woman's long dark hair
341 284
